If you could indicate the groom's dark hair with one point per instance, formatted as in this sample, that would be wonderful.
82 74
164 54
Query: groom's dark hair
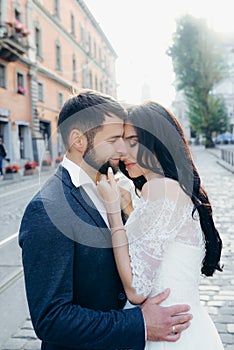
86 111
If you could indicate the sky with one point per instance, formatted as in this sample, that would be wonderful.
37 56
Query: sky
141 32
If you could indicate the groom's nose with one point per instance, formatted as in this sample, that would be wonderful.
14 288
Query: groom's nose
121 147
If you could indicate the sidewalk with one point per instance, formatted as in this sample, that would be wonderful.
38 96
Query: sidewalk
20 177
217 153
24 339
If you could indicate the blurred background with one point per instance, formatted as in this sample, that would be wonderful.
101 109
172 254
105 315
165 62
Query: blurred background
132 50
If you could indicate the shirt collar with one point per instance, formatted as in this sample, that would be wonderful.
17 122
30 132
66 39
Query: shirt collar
78 176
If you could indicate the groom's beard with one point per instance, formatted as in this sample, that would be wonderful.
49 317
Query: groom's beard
104 168
91 159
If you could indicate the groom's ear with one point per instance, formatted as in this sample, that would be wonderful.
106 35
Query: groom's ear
78 140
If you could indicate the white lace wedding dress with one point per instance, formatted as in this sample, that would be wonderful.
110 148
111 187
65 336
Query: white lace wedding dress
166 248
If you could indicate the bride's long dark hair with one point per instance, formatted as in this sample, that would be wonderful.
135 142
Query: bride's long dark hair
160 134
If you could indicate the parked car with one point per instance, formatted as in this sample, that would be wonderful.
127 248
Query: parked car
224 138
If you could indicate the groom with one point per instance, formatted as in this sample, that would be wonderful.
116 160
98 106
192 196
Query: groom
74 292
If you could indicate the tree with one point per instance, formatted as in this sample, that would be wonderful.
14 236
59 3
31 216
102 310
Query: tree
199 65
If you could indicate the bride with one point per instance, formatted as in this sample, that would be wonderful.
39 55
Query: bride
169 239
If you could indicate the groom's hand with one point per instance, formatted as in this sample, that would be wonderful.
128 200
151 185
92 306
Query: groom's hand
164 323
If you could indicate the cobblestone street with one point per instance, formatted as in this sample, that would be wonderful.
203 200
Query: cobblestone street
217 293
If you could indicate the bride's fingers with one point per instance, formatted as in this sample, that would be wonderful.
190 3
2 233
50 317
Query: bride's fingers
103 177
111 177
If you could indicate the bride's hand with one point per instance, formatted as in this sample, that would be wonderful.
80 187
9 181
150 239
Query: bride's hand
108 191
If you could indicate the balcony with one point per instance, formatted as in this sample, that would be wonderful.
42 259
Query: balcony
13 41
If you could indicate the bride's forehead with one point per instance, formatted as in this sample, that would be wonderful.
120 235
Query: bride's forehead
129 129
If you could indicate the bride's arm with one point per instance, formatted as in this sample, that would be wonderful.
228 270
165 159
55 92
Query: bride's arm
126 202
109 193
122 258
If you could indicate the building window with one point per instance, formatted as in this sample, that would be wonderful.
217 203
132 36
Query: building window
21 134
45 130
38 41
74 69
20 84
2 76
73 31
40 92
18 15
60 99
82 35
103 63
84 76
100 55
89 45
96 83
56 8
94 49
90 80
58 57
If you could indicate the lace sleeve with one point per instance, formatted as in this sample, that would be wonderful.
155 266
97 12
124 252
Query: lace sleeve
150 228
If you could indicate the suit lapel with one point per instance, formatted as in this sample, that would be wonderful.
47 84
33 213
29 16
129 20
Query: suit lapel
86 203
81 196
84 200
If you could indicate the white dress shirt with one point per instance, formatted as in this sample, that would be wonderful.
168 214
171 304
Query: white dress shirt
80 178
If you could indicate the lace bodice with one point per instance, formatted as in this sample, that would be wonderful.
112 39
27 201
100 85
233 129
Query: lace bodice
154 229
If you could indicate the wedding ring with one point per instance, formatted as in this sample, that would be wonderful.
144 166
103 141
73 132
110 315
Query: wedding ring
173 329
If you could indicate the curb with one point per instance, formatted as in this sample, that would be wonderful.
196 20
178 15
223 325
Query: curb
23 178
225 165
9 279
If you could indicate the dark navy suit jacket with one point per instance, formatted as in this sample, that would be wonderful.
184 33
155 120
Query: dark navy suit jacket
74 292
